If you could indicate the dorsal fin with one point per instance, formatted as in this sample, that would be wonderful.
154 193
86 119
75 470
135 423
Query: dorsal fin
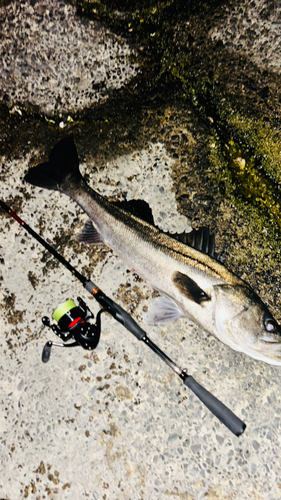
139 208
200 239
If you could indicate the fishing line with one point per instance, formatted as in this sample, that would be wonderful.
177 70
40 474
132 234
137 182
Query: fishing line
74 323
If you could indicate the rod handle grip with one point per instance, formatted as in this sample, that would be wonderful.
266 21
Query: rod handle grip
224 414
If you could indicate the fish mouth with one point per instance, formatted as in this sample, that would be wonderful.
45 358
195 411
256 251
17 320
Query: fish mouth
268 350
270 341
265 349
271 346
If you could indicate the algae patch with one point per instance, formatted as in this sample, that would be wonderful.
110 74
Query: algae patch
247 167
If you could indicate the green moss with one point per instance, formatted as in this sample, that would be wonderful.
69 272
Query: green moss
262 140
245 152
251 161
246 186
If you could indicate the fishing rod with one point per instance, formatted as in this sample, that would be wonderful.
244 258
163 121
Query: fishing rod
74 323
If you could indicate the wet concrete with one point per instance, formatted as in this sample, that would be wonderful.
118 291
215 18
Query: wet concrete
180 107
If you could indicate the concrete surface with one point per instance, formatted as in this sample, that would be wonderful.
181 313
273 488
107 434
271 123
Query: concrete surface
74 64
115 423
252 28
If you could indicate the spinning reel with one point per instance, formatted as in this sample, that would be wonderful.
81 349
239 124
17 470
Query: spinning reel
73 324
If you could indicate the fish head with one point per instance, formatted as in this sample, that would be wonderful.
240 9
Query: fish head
244 323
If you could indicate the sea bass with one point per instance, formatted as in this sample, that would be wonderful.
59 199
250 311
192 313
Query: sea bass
192 283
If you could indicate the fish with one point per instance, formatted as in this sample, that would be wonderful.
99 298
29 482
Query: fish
191 281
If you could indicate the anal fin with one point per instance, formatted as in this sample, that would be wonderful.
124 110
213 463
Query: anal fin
89 235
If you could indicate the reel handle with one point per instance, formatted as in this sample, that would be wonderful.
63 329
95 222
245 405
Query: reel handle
46 353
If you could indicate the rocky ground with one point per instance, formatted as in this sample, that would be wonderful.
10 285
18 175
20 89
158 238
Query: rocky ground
177 103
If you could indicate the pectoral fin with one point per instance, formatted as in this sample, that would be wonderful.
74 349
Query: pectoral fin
162 310
89 235
189 288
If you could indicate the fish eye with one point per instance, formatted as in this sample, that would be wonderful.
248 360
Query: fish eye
270 325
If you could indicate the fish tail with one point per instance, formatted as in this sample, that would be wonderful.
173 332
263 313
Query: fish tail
63 165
